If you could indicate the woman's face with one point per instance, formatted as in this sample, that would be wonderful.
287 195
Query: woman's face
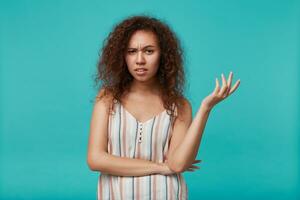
143 56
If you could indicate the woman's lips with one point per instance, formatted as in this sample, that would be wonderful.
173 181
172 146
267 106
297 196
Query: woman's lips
141 71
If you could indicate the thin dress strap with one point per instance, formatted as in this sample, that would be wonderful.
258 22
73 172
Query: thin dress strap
174 107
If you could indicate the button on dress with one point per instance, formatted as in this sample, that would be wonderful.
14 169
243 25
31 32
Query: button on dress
149 140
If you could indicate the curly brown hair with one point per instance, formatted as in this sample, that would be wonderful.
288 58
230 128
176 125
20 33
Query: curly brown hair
112 68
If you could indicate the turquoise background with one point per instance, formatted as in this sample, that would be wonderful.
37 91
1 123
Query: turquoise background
48 53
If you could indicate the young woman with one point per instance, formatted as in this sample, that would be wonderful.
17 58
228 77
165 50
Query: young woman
142 136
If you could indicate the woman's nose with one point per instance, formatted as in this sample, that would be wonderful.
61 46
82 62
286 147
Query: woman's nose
140 58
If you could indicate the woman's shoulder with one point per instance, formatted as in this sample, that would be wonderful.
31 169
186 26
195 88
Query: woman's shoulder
187 104
104 94
184 109
105 98
184 103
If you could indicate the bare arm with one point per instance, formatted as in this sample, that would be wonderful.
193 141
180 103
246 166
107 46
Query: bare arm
187 138
122 166
98 159
188 134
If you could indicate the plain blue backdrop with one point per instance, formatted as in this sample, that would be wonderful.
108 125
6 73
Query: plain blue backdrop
48 55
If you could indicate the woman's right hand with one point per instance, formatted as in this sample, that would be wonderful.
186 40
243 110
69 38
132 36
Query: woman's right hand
194 167
165 170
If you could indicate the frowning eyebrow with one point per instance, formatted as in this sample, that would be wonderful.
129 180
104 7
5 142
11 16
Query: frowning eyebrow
142 48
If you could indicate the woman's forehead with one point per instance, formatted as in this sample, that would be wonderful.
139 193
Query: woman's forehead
142 39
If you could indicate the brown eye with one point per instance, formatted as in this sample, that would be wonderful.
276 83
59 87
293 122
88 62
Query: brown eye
149 51
130 51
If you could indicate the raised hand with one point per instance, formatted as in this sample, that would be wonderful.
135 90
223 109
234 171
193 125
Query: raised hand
220 94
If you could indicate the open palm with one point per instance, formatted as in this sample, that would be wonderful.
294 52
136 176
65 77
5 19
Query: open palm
220 94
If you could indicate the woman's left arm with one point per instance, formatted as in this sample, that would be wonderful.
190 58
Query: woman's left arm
187 134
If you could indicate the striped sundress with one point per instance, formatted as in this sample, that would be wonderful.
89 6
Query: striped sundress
149 140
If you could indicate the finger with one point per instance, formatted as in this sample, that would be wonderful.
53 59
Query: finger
229 80
229 83
235 86
194 167
191 170
217 88
197 161
224 86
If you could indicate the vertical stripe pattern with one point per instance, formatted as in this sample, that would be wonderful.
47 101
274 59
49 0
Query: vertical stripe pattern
128 137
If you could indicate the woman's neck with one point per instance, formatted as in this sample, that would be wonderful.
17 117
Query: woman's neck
150 87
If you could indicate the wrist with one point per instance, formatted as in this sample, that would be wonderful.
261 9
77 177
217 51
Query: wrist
205 108
157 168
